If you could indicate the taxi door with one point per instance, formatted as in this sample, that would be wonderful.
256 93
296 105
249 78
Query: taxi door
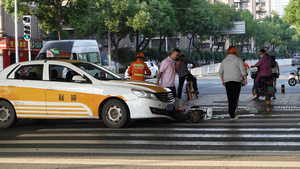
66 98
25 88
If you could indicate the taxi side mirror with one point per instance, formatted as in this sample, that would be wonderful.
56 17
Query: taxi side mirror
78 79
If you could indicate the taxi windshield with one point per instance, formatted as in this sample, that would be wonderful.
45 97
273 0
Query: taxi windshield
97 72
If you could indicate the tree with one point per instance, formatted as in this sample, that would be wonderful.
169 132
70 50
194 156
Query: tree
263 35
141 22
195 18
163 20
85 18
224 16
292 13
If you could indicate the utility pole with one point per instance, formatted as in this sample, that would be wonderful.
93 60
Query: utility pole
16 33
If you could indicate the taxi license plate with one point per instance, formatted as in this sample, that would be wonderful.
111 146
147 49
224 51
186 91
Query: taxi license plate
170 107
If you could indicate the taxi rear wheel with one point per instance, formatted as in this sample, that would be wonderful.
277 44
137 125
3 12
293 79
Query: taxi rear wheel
7 115
115 114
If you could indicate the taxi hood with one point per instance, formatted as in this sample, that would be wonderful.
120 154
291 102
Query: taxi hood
134 84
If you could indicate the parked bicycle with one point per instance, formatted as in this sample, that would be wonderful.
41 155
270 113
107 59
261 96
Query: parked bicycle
191 94
294 77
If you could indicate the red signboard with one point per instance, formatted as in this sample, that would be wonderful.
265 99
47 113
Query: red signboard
22 44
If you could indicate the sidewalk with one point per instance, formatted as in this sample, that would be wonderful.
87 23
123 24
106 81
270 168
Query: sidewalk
283 103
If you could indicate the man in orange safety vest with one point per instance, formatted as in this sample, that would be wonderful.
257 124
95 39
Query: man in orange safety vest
137 68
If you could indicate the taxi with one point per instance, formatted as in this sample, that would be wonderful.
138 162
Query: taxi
57 89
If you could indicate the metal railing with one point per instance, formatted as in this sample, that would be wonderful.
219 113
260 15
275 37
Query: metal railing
213 69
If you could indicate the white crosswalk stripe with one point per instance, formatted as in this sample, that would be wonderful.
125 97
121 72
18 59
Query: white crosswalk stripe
250 135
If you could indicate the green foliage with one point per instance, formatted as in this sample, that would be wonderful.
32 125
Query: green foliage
126 56
198 19
292 14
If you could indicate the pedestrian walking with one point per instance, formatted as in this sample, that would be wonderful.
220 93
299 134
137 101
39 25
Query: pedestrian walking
232 72
167 71
137 68
275 74
184 73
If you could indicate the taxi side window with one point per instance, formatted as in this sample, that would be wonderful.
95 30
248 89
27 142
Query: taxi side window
61 73
30 72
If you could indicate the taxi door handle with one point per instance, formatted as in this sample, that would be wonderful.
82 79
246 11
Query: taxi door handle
11 85
50 88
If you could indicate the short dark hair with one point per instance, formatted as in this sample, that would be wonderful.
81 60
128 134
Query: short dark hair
263 51
176 50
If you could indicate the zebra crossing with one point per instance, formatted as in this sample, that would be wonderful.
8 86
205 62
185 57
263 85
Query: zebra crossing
259 134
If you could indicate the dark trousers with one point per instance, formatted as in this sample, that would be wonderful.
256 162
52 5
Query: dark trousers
233 90
181 82
173 89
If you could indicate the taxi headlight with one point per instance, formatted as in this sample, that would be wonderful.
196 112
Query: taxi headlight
144 94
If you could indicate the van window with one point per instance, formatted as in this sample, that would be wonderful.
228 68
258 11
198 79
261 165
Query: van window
90 57
94 57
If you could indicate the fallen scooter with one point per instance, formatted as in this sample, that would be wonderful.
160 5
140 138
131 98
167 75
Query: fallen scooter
294 77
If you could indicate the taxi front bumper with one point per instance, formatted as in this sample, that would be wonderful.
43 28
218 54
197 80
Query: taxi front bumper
148 108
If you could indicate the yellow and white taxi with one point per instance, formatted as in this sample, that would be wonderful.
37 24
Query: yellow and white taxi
55 89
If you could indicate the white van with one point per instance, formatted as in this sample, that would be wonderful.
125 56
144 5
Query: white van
86 50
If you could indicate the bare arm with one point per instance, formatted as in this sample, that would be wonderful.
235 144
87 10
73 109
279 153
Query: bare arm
158 78
221 76
245 80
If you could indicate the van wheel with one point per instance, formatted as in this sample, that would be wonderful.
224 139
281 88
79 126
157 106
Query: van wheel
115 114
7 115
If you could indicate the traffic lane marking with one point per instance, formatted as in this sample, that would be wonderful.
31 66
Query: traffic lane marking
151 142
127 162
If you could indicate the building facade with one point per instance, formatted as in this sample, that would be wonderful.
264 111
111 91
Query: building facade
279 5
259 8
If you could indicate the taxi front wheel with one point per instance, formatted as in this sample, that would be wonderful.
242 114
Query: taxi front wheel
115 114
7 115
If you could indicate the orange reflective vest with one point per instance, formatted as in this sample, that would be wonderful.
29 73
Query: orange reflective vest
137 70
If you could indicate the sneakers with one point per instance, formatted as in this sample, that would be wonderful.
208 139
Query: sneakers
235 118
254 97
274 97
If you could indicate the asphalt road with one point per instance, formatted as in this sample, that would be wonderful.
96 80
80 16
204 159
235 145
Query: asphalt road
256 140
260 140
212 84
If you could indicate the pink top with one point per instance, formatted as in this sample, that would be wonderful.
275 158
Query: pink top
265 66
167 68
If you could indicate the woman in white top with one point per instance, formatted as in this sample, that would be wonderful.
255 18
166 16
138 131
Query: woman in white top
232 72
275 73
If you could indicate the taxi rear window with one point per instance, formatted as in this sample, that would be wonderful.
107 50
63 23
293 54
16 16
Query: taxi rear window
30 72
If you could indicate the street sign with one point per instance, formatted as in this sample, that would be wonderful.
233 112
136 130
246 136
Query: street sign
238 28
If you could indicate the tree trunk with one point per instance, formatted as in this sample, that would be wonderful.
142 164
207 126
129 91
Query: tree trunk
190 43
161 42
58 7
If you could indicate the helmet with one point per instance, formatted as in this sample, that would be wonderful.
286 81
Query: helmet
140 55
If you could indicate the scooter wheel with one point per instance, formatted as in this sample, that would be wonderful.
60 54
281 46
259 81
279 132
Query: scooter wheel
292 82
